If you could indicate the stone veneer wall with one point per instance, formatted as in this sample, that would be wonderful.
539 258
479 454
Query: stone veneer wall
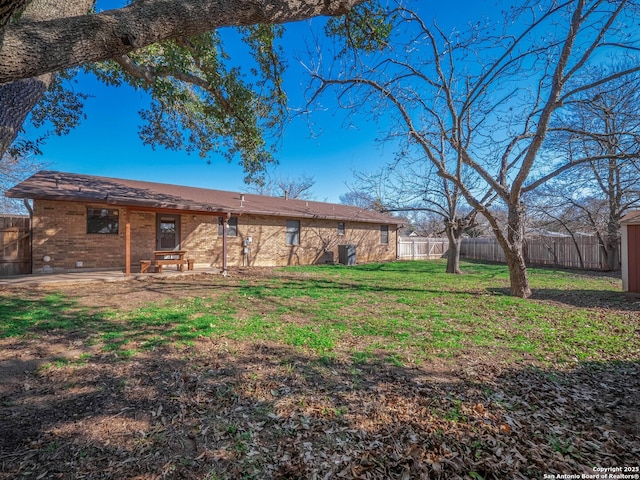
59 231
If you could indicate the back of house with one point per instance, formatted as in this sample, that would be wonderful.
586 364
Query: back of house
88 222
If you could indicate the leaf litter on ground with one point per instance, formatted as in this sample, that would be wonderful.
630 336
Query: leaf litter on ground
222 407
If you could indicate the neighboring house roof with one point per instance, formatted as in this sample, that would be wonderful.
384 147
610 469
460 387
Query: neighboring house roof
50 185
631 217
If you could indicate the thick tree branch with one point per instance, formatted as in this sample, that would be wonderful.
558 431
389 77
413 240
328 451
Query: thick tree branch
552 101
31 48
149 75
19 97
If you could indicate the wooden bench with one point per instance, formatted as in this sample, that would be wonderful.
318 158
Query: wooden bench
179 262
160 261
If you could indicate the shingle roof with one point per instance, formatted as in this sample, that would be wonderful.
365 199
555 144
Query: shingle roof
632 217
51 185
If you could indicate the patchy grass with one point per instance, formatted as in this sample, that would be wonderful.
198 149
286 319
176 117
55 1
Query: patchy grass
375 371
410 309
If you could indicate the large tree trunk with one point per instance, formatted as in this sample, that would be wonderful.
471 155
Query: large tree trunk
612 245
614 193
518 272
454 234
513 247
18 98
514 252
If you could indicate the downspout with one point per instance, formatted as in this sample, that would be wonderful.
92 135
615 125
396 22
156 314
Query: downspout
225 225
127 243
27 205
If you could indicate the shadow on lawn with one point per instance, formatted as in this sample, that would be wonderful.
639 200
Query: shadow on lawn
606 299
588 298
225 409
292 284
296 287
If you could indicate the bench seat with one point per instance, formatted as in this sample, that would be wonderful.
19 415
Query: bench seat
160 262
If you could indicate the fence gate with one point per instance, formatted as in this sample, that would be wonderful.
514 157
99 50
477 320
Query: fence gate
15 245
416 248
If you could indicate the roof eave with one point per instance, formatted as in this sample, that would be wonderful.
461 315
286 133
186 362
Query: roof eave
195 207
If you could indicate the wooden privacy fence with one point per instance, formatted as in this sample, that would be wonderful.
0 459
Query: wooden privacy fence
15 245
422 248
542 250
539 250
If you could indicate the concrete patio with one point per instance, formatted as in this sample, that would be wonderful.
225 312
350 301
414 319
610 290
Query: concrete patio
95 276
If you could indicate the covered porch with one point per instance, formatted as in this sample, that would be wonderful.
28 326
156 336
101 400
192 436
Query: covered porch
178 240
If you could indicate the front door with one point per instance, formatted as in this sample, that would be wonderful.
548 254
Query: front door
167 232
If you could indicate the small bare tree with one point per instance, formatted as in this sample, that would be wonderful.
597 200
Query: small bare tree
287 187
417 193
13 170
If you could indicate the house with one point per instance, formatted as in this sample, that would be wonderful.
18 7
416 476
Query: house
83 221
630 252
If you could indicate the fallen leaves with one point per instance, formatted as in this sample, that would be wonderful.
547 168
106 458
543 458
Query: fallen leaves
253 414
225 408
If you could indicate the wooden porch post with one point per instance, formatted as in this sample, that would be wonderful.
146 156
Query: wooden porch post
127 243
225 225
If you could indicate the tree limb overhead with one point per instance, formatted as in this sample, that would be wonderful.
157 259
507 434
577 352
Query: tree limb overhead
31 48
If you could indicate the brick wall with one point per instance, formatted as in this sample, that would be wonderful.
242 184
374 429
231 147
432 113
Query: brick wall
59 232
319 241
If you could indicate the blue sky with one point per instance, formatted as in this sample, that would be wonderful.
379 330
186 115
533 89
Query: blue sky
107 142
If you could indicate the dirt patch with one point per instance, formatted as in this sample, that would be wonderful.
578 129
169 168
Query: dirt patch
244 410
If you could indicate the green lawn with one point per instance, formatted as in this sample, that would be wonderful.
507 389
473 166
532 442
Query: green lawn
406 311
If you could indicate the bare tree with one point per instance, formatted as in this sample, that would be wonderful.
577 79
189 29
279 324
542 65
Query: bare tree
602 124
489 94
355 198
287 187
406 187
13 171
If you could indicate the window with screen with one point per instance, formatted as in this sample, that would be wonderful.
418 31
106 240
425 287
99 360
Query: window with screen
384 234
